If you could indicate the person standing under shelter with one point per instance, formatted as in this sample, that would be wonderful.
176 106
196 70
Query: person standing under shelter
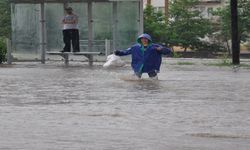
70 31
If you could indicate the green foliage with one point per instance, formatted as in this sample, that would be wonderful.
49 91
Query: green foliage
243 20
5 18
211 47
3 50
185 63
155 24
184 29
224 61
187 26
176 55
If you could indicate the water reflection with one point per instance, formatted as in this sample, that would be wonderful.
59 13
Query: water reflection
147 85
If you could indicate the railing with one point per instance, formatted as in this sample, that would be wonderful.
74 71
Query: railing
103 46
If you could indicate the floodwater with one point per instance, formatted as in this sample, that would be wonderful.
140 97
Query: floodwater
191 107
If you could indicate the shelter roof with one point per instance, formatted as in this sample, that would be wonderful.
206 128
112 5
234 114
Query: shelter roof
64 1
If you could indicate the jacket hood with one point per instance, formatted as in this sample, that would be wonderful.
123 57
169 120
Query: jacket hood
144 35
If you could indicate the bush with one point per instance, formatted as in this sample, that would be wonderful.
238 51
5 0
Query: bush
3 50
211 47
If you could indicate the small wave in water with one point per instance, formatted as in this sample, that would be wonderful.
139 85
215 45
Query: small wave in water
217 135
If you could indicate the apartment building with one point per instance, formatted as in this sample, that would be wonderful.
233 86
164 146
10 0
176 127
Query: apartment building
159 5
205 6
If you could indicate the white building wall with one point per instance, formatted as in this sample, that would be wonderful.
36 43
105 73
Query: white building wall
158 3
155 3
205 6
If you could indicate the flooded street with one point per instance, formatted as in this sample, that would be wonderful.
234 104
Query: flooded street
191 107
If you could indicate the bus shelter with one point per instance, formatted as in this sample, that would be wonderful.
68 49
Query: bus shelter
104 25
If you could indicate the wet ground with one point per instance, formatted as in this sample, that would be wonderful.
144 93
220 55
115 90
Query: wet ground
195 105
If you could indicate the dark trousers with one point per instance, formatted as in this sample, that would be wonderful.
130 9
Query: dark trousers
68 36
150 74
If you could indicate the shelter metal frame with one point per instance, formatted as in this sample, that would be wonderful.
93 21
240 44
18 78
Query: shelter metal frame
43 35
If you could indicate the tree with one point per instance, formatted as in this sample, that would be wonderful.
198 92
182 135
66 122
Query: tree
3 50
5 27
5 18
186 25
243 21
155 24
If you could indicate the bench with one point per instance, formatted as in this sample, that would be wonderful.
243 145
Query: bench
65 55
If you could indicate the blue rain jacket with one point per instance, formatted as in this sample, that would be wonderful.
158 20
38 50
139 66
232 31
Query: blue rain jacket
145 60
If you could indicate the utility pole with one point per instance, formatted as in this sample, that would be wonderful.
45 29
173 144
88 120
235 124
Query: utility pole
235 35
166 9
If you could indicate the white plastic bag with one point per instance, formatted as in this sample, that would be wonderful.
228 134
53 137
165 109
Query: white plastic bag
113 61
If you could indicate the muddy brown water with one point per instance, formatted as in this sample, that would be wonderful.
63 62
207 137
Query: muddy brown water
190 107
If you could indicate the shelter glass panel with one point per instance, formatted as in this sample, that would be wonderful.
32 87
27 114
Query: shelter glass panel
114 20
54 15
127 29
102 25
25 30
